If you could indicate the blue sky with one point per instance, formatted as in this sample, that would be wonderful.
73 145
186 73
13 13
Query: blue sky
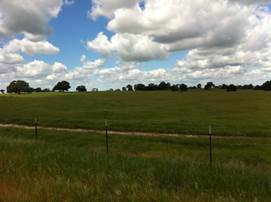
108 44
74 27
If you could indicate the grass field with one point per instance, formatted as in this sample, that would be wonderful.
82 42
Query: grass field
243 112
61 166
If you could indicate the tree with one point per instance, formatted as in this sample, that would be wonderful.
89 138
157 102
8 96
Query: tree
224 86
258 87
2 91
18 87
183 87
139 87
152 86
231 88
266 86
209 85
62 86
124 89
46 90
81 88
164 86
129 87
37 90
199 86
174 87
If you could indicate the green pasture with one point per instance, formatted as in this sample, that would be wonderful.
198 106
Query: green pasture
245 112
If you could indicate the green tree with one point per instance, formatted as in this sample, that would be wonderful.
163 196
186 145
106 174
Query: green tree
183 87
18 87
129 87
266 86
81 88
62 86
231 88
209 85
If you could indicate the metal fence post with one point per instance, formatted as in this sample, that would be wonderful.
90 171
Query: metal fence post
106 136
36 127
210 146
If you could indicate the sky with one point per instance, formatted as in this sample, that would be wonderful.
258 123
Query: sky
109 44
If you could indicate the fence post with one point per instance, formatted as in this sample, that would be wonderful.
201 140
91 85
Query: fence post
106 135
36 127
210 147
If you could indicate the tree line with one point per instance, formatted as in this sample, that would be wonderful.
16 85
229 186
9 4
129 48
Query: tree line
20 86
209 85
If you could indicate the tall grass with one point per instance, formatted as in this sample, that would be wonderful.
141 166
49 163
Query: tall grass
61 166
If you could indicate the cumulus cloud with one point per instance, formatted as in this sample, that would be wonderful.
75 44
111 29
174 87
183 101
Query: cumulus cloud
27 16
108 7
165 26
129 47
224 38
251 1
31 47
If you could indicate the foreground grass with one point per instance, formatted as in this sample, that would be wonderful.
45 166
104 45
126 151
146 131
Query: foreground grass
60 166
244 112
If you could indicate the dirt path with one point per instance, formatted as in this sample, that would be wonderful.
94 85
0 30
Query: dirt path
126 133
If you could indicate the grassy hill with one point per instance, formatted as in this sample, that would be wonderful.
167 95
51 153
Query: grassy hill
244 112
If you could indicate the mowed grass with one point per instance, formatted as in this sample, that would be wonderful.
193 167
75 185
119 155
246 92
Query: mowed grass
61 166
243 112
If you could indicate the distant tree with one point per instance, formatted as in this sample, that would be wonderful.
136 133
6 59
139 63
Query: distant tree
81 88
231 88
46 90
247 87
174 87
199 86
124 89
139 87
183 87
209 85
37 90
258 87
2 91
163 86
18 87
152 86
266 86
129 87
224 86
117 90
192 87
62 86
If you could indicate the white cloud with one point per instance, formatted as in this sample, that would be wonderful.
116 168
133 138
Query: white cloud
10 58
69 2
33 69
31 47
27 16
87 69
224 38
101 44
108 7
129 47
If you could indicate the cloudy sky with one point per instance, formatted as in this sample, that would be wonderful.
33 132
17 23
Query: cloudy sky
106 43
